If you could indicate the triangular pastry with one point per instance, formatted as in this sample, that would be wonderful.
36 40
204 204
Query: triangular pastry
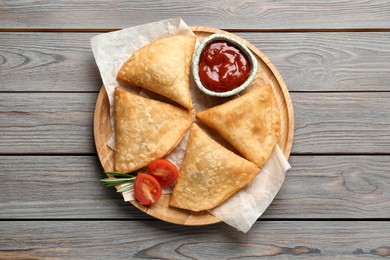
162 67
251 123
145 130
209 174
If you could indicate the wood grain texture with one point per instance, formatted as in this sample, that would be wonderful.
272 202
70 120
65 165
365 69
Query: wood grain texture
344 61
46 123
158 240
47 62
334 187
233 14
342 123
68 187
327 123
48 162
58 187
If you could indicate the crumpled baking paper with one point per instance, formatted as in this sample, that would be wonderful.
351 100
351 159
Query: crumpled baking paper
112 49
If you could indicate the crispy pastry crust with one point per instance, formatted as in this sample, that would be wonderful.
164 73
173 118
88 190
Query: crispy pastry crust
210 174
251 123
145 129
162 67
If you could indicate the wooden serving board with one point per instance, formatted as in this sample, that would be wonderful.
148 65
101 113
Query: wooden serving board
267 74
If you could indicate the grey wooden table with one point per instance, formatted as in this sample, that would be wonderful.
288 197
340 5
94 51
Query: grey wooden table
335 202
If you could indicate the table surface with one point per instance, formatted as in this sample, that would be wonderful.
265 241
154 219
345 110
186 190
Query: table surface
335 202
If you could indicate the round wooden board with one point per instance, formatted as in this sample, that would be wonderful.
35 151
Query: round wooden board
267 74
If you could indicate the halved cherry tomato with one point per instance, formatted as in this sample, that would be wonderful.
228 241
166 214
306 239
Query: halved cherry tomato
146 189
164 171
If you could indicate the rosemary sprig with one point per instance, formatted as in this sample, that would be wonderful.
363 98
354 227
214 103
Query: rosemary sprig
126 180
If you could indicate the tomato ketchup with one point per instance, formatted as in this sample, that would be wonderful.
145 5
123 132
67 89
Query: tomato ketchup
223 67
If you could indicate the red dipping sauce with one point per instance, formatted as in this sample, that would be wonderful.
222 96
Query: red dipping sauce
223 67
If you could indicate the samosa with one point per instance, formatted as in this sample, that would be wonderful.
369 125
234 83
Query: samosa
163 67
145 129
210 174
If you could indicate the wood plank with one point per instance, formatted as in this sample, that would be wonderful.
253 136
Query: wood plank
59 187
232 14
47 62
46 123
328 61
334 187
342 123
325 123
68 187
307 61
152 239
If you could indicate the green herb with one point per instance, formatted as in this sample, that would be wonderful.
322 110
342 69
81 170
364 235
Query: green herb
126 180
118 174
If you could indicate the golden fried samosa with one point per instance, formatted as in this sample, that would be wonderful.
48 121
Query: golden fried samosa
162 67
251 123
145 130
210 174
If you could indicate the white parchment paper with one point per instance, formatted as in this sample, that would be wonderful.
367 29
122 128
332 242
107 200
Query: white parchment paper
112 49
